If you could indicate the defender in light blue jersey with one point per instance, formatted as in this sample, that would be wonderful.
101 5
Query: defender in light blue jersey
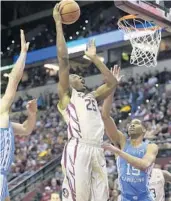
133 182
7 128
6 158
135 158
135 161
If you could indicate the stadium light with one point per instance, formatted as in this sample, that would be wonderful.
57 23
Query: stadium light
8 48
77 32
120 121
101 58
3 68
6 75
86 21
84 28
70 37
157 85
52 67
13 41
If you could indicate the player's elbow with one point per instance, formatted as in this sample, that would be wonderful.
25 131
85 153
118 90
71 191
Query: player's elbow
110 80
105 115
145 165
26 131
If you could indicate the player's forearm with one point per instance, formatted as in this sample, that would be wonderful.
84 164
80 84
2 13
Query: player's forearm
133 161
17 72
62 50
29 124
107 105
109 79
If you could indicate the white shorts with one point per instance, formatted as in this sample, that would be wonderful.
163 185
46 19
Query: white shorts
84 167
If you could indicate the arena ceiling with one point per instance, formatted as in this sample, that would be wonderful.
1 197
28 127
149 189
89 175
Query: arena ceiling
14 10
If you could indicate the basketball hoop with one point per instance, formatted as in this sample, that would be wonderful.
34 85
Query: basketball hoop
145 39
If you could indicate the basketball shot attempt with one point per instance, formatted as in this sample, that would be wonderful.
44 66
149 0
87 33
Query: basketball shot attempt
7 128
83 159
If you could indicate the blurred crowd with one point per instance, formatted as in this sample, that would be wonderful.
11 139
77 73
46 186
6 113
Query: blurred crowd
51 188
39 76
46 141
146 97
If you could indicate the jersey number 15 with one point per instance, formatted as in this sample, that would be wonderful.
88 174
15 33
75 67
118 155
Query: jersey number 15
132 171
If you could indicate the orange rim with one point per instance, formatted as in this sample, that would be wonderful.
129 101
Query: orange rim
129 17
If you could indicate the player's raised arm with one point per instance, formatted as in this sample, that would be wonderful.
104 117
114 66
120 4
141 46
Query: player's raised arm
27 127
14 77
139 163
110 82
112 132
63 57
167 176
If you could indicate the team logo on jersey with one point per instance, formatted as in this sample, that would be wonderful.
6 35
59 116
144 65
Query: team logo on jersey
65 192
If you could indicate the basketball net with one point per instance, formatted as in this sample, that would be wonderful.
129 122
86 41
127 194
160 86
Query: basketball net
145 40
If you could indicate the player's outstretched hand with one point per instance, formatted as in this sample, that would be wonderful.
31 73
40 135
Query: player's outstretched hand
32 107
24 44
116 73
110 147
56 14
91 49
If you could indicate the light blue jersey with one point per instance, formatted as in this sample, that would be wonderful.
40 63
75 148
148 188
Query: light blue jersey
133 182
7 149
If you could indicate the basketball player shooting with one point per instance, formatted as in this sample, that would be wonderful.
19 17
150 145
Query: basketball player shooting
135 158
7 128
158 178
83 159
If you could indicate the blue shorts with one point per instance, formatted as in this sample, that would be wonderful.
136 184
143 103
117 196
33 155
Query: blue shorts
4 193
125 197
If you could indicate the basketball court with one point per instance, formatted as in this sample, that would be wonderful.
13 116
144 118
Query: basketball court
144 27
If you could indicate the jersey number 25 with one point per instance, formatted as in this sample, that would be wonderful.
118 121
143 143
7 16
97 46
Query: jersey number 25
91 104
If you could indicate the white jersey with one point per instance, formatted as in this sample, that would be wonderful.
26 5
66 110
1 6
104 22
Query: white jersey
83 117
156 184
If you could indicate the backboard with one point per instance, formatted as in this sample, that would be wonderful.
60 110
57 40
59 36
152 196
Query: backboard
148 10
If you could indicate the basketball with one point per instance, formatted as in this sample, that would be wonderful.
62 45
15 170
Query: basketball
69 11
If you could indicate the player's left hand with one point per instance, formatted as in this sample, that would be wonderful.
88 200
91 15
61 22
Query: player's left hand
24 44
91 49
110 147
116 73
56 14
32 107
